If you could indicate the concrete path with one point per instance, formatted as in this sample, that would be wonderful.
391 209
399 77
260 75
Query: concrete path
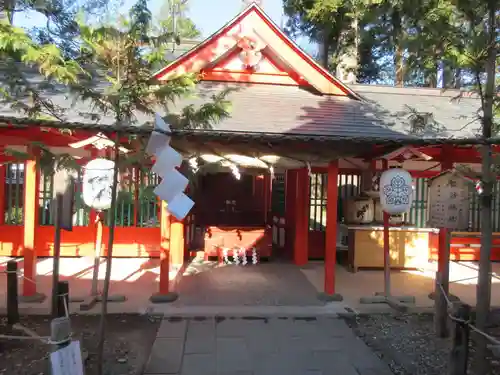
261 346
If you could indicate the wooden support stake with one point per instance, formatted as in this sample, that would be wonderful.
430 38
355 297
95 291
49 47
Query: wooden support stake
60 335
57 255
63 299
12 293
3 179
443 278
459 357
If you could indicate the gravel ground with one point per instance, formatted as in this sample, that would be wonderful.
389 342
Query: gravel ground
127 347
407 343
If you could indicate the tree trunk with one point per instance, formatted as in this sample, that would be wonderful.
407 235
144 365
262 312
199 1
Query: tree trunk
484 277
397 30
457 82
325 50
7 10
109 257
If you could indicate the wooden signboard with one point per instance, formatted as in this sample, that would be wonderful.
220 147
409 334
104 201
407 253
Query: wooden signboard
64 187
448 203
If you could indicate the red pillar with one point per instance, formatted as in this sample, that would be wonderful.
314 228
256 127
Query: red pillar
290 199
331 233
164 295
301 246
31 216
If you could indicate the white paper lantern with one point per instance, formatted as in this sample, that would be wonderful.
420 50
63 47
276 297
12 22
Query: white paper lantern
97 183
396 191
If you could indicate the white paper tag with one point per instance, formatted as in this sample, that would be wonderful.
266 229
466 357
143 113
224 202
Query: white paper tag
68 360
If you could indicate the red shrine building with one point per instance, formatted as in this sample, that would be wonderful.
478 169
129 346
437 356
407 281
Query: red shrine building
282 176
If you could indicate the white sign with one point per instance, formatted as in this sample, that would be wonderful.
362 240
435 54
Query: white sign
68 360
98 183
448 202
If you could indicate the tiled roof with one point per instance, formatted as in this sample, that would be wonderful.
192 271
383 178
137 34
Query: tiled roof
386 112
453 114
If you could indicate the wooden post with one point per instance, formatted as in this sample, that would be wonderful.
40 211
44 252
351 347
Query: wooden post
441 308
164 294
3 175
62 306
98 230
137 182
12 293
443 278
290 200
176 241
266 197
60 333
56 256
331 234
31 215
301 245
387 254
459 356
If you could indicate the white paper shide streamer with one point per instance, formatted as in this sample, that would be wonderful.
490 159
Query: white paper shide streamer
239 256
173 183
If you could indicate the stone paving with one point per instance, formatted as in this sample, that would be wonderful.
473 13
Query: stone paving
264 284
261 346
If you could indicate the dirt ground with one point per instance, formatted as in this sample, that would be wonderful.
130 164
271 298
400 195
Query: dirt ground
408 344
128 343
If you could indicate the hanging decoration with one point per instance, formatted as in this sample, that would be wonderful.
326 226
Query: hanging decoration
254 256
225 256
479 187
193 164
309 169
97 183
237 254
243 255
235 171
173 183
396 192
271 171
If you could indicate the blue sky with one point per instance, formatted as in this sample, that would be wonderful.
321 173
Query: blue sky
208 15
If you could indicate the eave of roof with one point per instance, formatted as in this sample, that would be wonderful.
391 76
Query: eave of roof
203 134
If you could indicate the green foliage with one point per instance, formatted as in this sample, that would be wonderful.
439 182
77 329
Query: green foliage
124 57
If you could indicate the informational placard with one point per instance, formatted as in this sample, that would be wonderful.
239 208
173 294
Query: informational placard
448 203
68 360
64 186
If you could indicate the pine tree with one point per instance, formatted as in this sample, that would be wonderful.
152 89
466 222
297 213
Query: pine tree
112 74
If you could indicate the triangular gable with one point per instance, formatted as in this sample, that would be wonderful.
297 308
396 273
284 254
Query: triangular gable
212 54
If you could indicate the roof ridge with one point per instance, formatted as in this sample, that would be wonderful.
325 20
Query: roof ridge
421 91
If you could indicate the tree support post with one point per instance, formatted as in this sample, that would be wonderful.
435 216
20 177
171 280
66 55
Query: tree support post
164 295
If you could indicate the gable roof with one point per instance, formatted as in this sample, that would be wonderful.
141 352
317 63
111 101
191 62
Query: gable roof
226 38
